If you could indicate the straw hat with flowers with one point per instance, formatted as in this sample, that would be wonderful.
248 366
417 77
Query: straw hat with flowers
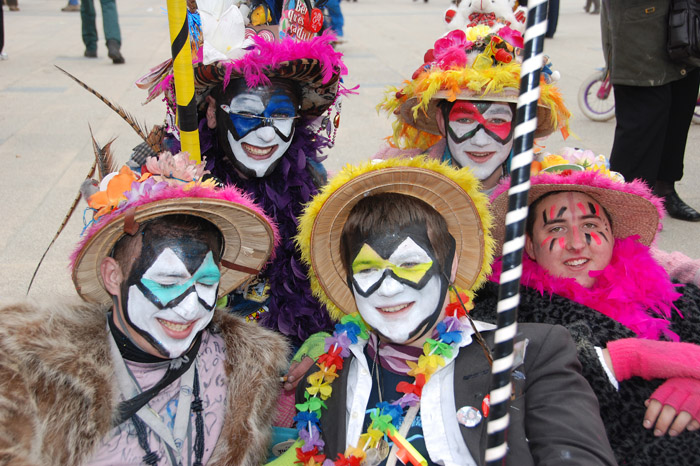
171 185
631 206
479 63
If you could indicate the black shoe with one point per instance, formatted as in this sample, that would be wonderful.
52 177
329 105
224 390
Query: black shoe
113 52
90 53
678 209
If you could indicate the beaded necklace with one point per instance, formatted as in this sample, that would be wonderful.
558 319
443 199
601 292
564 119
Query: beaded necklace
385 416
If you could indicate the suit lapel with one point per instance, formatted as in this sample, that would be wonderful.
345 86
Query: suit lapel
472 378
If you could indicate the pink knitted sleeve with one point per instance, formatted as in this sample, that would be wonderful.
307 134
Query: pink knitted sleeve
650 359
678 265
683 394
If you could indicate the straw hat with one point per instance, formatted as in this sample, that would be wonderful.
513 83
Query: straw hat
477 64
248 234
454 194
632 208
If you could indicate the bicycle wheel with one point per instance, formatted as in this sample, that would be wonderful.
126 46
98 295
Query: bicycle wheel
591 104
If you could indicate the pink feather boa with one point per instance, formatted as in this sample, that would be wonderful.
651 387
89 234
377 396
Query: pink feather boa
626 290
229 193
266 55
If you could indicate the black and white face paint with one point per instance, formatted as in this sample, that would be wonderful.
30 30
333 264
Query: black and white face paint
170 294
398 285
259 126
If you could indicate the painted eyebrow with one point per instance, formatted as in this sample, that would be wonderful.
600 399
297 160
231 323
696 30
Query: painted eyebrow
554 220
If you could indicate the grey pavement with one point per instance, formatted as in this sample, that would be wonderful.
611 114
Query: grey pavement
45 146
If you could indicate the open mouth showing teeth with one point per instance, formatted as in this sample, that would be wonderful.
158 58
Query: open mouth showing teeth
480 155
576 262
174 325
258 153
393 309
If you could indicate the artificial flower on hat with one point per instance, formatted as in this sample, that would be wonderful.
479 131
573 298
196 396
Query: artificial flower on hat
478 63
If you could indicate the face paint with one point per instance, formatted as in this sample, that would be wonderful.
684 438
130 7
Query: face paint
259 127
397 284
170 293
479 135
575 246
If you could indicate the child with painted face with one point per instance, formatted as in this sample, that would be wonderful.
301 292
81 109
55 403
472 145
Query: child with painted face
267 114
388 245
588 267
146 371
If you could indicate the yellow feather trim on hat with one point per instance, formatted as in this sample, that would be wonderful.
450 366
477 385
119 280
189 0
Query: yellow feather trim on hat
462 177
483 82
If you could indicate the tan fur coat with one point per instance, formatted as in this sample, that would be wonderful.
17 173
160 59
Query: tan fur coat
57 389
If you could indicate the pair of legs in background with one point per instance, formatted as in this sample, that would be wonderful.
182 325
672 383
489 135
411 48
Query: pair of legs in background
650 136
110 23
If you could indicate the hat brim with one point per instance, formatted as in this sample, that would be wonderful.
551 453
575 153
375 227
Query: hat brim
443 194
424 120
248 241
630 214
307 73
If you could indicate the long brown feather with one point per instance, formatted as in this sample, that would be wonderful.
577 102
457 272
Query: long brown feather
120 111
103 156
63 225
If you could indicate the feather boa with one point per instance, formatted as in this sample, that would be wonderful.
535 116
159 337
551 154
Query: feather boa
292 309
265 55
631 286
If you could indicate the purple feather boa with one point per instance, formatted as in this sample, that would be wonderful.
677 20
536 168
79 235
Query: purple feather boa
293 310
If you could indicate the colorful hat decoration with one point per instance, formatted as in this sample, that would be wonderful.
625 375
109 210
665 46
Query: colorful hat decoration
172 186
227 50
453 193
632 207
479 63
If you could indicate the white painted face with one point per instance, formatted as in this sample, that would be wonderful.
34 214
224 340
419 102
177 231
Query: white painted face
396 296
263 126
169 305
479 135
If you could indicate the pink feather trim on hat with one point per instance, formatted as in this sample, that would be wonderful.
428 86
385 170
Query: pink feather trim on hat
228 193
593 179
266 55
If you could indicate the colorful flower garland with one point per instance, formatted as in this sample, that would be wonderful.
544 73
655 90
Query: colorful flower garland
386 416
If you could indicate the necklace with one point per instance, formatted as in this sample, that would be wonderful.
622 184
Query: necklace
385 416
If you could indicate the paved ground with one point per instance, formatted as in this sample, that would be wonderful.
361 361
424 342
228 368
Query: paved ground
45 146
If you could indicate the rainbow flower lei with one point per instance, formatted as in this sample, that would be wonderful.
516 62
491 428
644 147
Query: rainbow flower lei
385 416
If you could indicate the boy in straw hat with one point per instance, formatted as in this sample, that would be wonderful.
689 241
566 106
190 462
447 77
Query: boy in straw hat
588 267
265 115
459 105
388 245
146 371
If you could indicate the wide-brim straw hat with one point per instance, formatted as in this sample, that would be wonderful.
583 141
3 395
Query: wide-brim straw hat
454 194
248 234
632 208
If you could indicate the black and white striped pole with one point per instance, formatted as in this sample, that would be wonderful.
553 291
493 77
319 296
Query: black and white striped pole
508 291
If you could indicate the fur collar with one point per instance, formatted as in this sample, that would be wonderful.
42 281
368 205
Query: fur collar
631 289
57 380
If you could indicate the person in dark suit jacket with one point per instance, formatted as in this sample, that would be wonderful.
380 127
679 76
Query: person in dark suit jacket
389 245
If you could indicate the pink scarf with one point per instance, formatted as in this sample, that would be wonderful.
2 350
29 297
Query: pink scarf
626 290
